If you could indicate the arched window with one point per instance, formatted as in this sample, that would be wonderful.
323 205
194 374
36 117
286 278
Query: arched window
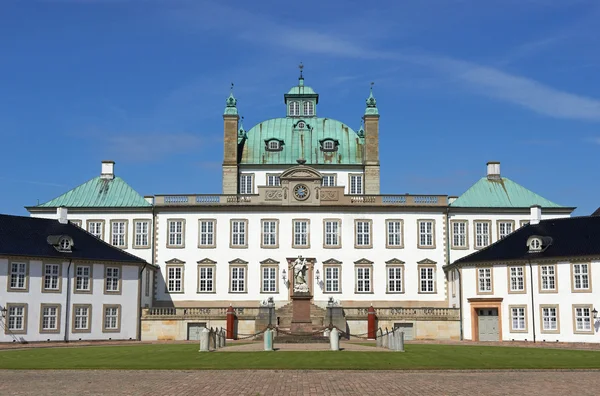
294 108
274 145
309 108
328 145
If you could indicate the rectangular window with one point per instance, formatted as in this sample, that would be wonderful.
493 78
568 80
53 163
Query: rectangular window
583 319
142 230
112 279
547 278
332 279
328 181
301 233
246 184
426 235
269 233
175 237
517 279
356 184
459 234
394 279
81 318
484 276
50 318
207 233
18 276
427 280
363 233
238 279
332 233
206 279
96 228
273 181
518 319
549 319
83 276
505 228
111 318
363 279
482 234
394 233
119 233
51 277
269 280
581 277
238 233
17 318
175 279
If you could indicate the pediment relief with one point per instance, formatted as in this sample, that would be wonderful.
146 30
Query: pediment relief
363 261
175 261
426 261
332 261
238 261
207 261
394 261
269 261
301 172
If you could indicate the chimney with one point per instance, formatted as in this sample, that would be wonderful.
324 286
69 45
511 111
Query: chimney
451 199
61 213
149 199
493 170
108 170
536 214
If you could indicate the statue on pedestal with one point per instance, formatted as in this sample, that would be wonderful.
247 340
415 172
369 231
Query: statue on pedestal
300 285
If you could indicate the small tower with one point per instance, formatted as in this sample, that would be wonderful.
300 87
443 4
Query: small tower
371 118
301 100
230 144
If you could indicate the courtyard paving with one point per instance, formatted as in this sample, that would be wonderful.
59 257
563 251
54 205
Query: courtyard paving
292 382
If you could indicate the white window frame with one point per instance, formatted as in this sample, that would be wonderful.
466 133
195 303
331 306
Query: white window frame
16 318
427 282
362 233
485 280
395 279
516 279
364 278
460 234
246 183
141 230
81 318
581 276
118 235
505 227
301 233
331 233
175 278
206 232
328 145
550 319
112 279
239 233
269 237
273 145
426 230
582 316
518 319
394 230
206 278
49 317
269 279
332 277
83 279
548 278
18 280
308 108
294 108
273 180
328 181
51 281
111 318
237 283
482 233
96 228
356 185
175 233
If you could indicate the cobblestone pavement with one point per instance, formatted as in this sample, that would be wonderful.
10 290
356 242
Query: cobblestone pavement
258 346
305 382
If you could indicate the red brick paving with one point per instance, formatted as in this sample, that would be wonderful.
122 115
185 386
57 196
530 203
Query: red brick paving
295 383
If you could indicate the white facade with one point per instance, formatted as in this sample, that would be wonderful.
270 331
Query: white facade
550 306
68 300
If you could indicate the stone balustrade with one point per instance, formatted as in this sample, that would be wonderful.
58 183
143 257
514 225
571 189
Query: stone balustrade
405 313
160 313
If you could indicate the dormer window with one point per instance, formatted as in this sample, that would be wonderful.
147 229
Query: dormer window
309 108
294 108
537 244
64 245
274 145
329 145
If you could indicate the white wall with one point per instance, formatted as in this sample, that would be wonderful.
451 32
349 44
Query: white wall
379 254
564 298
128 299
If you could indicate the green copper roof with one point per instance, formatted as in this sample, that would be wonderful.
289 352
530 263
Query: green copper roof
371 104
301 90
230 105
500 193
99 192
301 143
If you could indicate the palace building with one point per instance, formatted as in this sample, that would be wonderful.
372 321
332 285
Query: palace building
305 185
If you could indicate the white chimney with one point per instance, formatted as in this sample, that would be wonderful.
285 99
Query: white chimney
108 170
451 199
61 213
149 199
493 170
536 214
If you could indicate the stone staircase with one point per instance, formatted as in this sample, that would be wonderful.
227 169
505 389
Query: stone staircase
284 316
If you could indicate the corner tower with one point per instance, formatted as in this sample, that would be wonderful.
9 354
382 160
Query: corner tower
230 145
372 172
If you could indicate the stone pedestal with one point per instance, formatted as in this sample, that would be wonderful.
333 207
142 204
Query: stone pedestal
301 322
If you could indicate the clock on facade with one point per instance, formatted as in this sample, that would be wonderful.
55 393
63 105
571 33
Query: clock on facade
301 192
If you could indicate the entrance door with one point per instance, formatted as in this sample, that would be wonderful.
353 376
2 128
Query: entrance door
194 331
488 324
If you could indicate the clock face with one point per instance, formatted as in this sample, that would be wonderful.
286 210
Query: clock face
301 192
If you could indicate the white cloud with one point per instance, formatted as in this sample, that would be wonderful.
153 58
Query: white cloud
150 147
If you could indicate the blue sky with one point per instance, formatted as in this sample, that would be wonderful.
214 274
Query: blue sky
458 83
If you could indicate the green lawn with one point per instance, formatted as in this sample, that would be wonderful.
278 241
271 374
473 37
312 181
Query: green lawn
186 356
